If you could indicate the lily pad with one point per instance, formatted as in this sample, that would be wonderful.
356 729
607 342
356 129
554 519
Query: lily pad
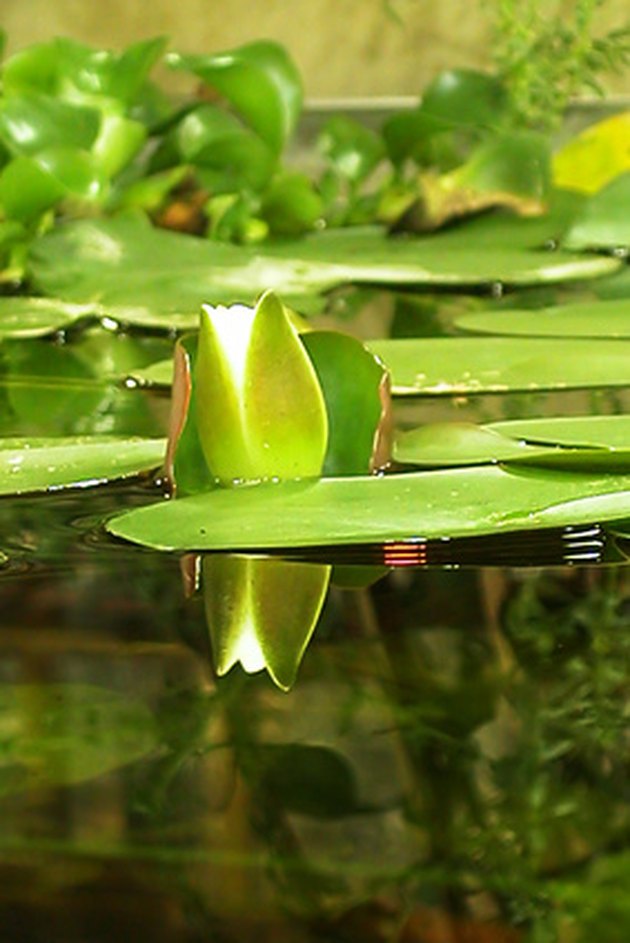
603 432
47 464
604 222
434 504
125 261
453 365
37 317
592 442
497 364
608 319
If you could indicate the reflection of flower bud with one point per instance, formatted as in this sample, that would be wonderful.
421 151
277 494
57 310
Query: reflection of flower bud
260 410
262 611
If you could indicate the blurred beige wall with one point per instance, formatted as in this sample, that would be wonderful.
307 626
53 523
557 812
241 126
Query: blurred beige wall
342 47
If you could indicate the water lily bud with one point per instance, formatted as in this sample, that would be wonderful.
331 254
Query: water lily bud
260 409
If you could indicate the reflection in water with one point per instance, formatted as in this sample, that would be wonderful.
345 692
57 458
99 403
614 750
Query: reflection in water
450 766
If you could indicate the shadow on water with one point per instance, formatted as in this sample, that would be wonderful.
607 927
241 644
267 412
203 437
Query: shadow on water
451 764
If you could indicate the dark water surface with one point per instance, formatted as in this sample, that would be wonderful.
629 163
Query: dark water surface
450 767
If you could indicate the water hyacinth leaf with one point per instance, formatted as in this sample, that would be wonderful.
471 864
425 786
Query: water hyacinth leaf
604 222
465 97
498 364
62 734
27 190
259 80
30 124
23 317
481 500
217 141
606 319
37 464
260 409
119 140
291 205
594 157
352 149
352 382
262 612
507 170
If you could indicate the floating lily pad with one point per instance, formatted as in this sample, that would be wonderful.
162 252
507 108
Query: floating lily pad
591 442
124 261
453 365
498 364
604 222
36 317
589 319
467 501
451 259
604 432
47 464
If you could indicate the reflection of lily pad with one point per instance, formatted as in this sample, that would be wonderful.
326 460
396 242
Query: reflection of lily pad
589 319
45 464
477 501
61 734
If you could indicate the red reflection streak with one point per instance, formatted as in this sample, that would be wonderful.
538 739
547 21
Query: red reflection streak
405 553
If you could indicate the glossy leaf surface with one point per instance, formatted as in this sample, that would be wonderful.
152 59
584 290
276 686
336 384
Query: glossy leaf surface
28 465
498 364
593 158
259 80
606 319
604 222
459 502
125 261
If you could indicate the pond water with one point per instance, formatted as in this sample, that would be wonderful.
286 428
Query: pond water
450 767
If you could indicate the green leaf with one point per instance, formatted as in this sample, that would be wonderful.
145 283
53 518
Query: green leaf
27 190
218 142
467 501
259 80
465 97
63 734
29 124
443 444
353 150
591 442
119 140
28 465
23 317
605 319
604 222
352 381
462 365
498 364
291 205
262 612
124 261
